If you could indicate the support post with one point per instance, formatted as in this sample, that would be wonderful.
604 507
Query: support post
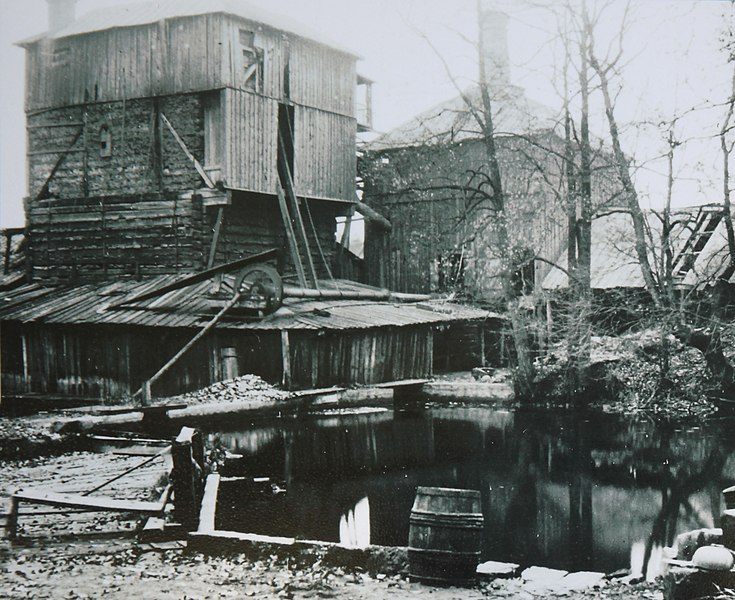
11 525
187 477
215 237
286 358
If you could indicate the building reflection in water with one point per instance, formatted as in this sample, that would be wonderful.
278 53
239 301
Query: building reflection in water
354 525
559 489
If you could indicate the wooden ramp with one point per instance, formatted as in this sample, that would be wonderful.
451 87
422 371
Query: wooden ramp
79 501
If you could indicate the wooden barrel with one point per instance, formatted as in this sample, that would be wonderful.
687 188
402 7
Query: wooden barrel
445 536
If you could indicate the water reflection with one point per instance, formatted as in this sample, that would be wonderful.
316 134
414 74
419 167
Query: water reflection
354 525
572 491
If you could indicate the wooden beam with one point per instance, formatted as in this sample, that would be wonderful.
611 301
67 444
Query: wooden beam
373 216
296 211
290 236
190 156
196 278
147 386
215 236
208 509
187 474
77 501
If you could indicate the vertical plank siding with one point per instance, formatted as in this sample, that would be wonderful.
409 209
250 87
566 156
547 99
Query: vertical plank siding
251 137
325 154
110 363
185 54
322 77
127 62
359 357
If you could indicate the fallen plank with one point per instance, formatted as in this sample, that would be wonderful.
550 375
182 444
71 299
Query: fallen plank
400 383
98 503
209 504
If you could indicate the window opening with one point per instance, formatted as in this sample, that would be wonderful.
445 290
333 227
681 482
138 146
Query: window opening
61 56
105 142
286 141
252 61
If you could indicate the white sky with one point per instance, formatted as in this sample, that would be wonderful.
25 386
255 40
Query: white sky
673 51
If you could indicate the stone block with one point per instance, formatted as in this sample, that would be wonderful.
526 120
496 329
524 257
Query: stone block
497 570
689 583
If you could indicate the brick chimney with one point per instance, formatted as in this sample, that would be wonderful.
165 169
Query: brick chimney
493 40
60 14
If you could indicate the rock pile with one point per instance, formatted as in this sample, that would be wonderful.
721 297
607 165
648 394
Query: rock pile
246 387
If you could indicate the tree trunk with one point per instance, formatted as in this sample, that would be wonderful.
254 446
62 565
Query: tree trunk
621 162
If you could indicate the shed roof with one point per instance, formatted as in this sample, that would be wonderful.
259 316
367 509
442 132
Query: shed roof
452 121
144 13
193 306
615 261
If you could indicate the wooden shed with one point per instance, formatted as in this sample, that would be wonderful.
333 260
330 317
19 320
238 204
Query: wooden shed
96 341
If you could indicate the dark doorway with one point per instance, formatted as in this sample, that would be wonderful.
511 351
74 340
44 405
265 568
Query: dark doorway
285 144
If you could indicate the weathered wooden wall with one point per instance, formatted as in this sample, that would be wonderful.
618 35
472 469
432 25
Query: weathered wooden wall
417 190
360 357
111 236
204 53
144 157
184 54
250 141
324 154
111 362
252 224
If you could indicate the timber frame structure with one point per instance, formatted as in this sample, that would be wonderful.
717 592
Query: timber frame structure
169 145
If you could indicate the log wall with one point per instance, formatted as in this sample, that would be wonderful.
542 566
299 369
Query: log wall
111 236
64 148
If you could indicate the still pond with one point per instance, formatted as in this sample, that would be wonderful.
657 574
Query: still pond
565 490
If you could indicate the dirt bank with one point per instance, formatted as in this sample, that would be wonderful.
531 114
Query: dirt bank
121 569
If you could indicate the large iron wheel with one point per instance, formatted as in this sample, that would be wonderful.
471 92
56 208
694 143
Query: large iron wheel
260 285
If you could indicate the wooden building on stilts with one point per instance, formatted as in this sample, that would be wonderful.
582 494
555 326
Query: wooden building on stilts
187 162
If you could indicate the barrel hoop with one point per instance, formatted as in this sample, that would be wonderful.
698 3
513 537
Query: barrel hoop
443 553
454 520
447 492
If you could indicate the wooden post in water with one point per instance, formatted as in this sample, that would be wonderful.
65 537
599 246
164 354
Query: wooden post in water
187 453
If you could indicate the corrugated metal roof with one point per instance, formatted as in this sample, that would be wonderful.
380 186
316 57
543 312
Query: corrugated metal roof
452 121
143 13
193 306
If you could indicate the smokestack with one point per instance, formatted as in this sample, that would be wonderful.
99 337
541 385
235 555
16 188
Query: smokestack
61 13
493 26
